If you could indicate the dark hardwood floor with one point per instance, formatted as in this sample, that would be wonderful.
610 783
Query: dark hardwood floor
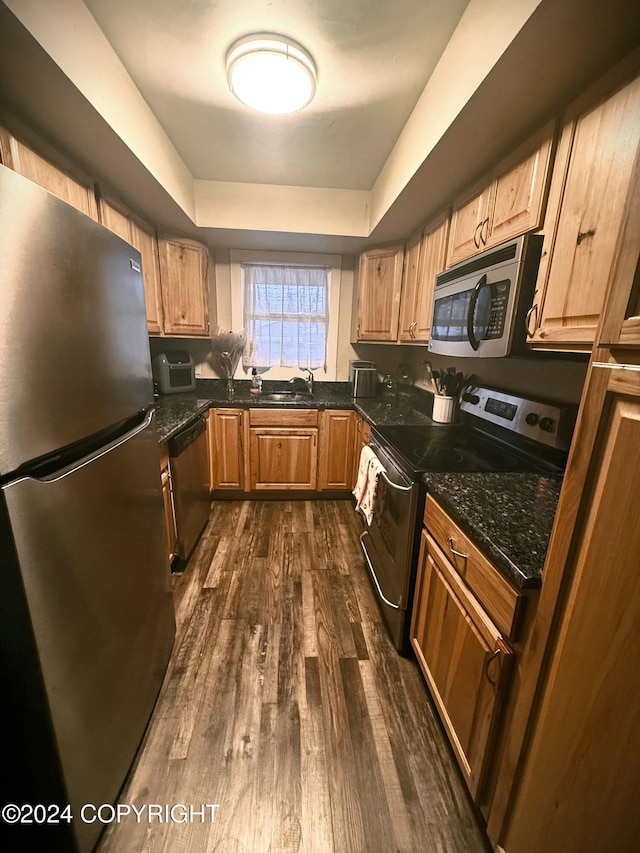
286 705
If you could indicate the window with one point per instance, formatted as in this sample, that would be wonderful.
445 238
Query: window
286 315
290 305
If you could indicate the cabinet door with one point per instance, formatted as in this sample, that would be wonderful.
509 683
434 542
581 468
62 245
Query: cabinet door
141 236
520 190
335 467
379 285
433 253
283 458
463 657
22 159
586 207
469 222
226 456
580 777
410 284
184 282
144 239
362 434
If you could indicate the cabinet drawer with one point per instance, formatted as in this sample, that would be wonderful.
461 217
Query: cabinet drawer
278 417
501 600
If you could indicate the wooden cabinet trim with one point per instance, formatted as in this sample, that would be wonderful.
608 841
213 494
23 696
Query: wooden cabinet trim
283 417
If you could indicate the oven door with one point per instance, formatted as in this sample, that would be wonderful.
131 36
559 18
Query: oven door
388 543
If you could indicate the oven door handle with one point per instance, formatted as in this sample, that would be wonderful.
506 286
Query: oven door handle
395 485
373 574
475 343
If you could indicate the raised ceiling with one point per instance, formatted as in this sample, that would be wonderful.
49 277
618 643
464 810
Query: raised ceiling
374 58
416 98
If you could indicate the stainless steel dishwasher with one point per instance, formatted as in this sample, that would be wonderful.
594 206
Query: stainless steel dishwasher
190 474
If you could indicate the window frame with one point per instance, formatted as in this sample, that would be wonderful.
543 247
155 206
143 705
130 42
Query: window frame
334 262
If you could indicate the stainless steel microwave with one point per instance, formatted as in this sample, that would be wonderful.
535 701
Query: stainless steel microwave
480 305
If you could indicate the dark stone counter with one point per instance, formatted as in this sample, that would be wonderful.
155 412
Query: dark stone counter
173 411
508 515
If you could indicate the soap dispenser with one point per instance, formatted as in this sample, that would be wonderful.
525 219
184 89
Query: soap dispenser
256 382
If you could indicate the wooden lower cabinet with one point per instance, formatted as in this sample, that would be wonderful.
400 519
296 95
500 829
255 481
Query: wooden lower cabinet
362 434
283 449
167 497
283 458
226 448
464 658
335 462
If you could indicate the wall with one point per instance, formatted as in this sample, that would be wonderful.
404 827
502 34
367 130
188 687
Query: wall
200 349
539 375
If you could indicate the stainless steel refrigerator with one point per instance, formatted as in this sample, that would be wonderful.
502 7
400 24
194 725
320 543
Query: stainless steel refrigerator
86 614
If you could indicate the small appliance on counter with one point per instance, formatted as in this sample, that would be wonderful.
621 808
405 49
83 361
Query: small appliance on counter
363 378
174 372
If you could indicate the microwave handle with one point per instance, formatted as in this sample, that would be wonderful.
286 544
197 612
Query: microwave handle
475 343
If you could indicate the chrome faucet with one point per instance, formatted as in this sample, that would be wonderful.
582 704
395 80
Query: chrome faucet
308 381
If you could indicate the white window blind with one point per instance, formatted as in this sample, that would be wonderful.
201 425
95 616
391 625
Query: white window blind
286 315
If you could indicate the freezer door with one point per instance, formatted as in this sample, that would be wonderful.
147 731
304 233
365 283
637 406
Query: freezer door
74 347
90 545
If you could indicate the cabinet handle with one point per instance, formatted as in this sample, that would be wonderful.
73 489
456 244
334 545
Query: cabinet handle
454 552
476 235
527 319
412 330
484 231
584 234
490 659
358 330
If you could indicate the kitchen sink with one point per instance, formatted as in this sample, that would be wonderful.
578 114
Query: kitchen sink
283 396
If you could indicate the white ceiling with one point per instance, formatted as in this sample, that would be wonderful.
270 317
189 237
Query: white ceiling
133 92
374 58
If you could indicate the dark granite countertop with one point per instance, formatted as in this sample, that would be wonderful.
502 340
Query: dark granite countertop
508 515
173 411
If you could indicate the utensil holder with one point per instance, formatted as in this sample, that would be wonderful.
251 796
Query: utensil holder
444 409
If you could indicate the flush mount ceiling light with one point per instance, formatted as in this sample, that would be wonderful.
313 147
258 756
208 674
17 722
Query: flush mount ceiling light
271 73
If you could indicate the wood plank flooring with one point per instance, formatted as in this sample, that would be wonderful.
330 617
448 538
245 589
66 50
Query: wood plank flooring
287 706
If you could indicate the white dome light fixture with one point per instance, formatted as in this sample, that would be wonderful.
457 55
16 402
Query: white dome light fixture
271 73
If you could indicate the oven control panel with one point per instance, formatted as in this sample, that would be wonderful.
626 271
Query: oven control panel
547 423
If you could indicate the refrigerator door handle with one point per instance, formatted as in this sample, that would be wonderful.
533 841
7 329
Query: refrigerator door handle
56 476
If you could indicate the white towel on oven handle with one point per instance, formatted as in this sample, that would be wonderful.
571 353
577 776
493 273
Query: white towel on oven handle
366 487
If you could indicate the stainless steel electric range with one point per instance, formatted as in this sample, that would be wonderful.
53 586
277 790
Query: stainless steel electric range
497 431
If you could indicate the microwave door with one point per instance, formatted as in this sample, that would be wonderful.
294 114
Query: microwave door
479 313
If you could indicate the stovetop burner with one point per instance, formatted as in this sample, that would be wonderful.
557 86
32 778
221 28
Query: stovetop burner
456 448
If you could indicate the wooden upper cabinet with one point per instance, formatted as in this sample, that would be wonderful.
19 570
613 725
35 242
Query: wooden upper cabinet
425 257
143 237
470 215
410 284
379 285
184 279
22 159
117 218
587 201
335 461
433 254
508 202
